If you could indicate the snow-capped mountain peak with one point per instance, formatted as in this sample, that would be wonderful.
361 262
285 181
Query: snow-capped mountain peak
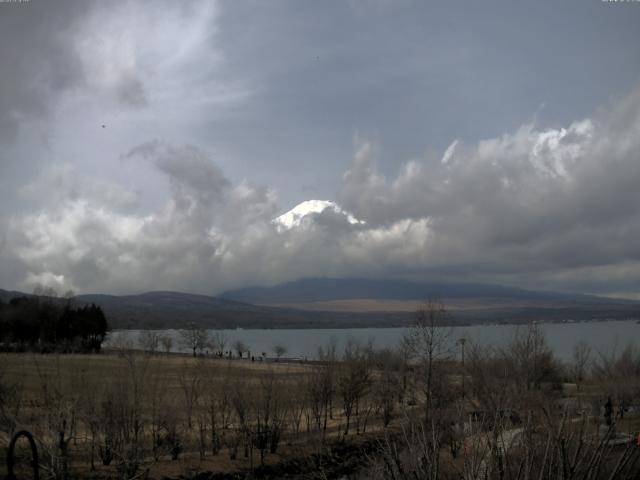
294 217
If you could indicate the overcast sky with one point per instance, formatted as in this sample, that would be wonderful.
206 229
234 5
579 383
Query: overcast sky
149 145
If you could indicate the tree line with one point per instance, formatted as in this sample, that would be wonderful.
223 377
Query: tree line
45 324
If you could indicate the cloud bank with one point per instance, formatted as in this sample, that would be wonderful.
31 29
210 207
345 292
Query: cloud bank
151 145
551 208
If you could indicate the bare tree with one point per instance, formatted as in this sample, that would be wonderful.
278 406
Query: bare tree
321 387
240 347
531 358
279 351
194 339
219 342
129 402
354 381
121 341
514 433
429 342
148 340
191 380
242 402
59 403
317 392
618 377
173 438
157 403
89 413
270 411
580 362
387 384
299 403
167 343
217 404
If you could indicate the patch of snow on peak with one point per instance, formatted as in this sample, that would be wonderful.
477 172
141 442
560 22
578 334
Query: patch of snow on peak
294 217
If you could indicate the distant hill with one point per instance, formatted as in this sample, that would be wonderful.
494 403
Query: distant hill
160 310
347 303
328 289
178 310
467 302
6 295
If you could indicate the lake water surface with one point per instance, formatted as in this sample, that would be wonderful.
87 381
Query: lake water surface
603 337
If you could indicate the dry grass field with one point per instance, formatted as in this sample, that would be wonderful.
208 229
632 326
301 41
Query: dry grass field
28 369
168 408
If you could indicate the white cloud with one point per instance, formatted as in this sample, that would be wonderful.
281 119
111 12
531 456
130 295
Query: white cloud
211 234
448 153
534 207
522 207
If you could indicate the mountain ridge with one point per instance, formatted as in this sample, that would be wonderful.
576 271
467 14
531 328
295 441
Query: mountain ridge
320 289
338 303
175 310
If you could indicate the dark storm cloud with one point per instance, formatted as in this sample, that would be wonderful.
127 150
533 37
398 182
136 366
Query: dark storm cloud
412 75
492 141
37 58
43 58
189 169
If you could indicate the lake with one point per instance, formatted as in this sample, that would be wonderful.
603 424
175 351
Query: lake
603 337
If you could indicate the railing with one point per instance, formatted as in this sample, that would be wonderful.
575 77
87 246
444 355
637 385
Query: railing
11 456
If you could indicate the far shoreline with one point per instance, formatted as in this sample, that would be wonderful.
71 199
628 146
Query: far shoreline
351 326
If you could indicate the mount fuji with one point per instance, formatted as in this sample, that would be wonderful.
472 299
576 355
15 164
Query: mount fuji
302 212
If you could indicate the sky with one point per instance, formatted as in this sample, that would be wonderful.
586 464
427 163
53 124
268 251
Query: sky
155 145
